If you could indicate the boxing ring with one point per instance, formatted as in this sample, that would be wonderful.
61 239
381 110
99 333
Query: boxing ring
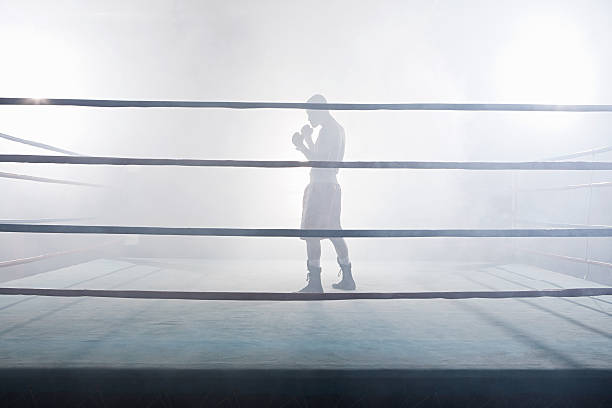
437 328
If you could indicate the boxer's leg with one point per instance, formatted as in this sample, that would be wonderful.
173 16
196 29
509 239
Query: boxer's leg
313 248
310 212
341 250
347 282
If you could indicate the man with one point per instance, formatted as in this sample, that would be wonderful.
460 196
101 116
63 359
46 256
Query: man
322 196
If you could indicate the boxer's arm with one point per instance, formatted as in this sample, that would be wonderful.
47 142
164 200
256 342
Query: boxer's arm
298 140
307 133
309 143
309 153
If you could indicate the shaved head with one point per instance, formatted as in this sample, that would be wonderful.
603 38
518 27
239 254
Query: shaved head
317 98
316 117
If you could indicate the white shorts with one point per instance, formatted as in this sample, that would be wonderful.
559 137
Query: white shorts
321 206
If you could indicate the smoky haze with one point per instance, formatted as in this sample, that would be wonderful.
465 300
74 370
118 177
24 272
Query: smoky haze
382 52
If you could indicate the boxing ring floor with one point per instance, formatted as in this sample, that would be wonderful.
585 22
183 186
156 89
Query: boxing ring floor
424 334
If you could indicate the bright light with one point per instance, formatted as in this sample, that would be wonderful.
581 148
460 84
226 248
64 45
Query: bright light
547 62
38 66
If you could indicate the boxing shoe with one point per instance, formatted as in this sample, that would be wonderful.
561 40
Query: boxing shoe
314 280
347 282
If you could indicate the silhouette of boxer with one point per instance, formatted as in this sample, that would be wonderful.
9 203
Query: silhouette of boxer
321 203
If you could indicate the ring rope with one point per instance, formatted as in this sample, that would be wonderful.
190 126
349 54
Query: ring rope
114 103
581 154
568 187
46 180
279 296
98 160
567 258
37 144
21 261
560 225
306 233
585 259
42 220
